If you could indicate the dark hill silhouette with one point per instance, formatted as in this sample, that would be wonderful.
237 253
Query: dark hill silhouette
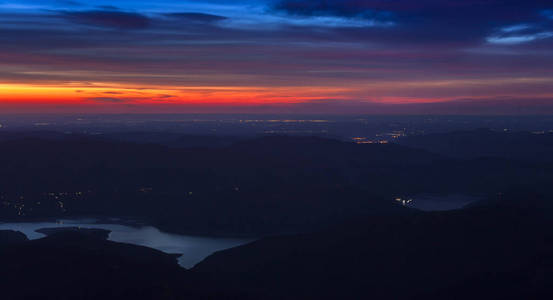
174 140
76 265
487 143
499 249
494 251
329 153
324 206
9 237
86 152
262 186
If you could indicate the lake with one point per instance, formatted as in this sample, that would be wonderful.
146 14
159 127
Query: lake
428 202
193 249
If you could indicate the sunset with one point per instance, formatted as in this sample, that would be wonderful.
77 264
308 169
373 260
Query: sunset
282 55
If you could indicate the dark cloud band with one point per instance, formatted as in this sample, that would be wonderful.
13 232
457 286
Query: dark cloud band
108 18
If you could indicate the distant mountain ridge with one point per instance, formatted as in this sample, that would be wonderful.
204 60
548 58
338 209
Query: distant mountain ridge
256 187
472 144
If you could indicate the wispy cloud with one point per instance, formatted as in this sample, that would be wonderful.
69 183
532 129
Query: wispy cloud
519 39
107 99
516 28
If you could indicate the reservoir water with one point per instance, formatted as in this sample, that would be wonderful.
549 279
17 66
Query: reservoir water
193 249
427 202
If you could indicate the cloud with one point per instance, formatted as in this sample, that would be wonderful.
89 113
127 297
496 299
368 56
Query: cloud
519 39
70 3
520 33
108 18
548 13
461 106
304 45
107 99
516 28
333 14
195 17
108 7
502 9
428 20
335 8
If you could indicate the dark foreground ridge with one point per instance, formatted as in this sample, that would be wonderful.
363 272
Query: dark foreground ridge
75 264
99 233
9 237
495 250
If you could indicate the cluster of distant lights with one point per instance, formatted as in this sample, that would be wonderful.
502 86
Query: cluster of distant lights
284 121
403 201
366 140
58 197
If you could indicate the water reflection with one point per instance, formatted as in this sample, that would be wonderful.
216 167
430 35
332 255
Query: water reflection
193 249
426 202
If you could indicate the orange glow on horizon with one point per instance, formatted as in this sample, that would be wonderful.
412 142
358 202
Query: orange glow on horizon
120 97
73 93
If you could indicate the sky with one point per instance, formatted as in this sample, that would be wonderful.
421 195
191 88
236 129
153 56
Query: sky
277 56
